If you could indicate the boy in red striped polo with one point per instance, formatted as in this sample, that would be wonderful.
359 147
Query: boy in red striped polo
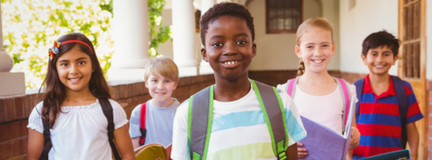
379 119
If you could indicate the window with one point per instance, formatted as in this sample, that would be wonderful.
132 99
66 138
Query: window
283 16
411 38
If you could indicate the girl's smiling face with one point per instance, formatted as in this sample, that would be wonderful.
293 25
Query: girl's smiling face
74 69
316 49
229 48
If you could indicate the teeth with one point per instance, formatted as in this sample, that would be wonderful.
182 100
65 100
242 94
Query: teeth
231 62
317 61
75 79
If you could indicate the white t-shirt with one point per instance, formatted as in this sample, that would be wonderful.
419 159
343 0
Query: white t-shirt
159 123
239 130
326 110
80 132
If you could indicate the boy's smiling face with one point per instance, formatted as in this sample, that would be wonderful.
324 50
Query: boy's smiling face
228 47
379 60
160 89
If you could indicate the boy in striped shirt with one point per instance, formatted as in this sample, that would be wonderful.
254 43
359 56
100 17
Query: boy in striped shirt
379 119
238 128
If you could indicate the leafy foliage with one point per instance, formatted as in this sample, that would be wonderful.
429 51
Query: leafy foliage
155 17
30 27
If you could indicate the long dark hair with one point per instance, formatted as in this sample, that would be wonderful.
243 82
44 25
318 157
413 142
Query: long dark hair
55 92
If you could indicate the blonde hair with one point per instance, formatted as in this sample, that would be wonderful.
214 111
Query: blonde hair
162 66
303 28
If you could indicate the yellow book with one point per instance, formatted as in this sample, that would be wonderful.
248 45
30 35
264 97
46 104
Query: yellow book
153 151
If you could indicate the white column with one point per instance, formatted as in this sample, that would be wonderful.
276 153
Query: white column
131 40
205 66
183 25
11 84
206 5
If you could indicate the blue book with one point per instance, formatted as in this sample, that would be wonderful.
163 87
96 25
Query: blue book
325 143
396 155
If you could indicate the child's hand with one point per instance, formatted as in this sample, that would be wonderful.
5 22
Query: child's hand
355 138
301 150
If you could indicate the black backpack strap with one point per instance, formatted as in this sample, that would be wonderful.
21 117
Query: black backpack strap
47 143
359 92
274 115
108 112
198 123
399 87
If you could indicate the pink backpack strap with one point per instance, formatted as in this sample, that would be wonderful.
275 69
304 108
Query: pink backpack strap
343 86
291 86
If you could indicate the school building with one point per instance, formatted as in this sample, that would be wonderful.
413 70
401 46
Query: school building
275 25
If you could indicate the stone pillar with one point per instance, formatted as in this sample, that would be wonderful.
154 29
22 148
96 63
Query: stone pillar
205 66
131 40
11 84
183 25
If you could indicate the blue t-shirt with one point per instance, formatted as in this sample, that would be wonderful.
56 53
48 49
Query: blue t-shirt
159 123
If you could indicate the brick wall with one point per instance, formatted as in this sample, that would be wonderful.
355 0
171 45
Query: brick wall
351 77
14 111
130 95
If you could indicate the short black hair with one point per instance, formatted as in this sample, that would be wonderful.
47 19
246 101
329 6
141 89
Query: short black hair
380 39
226 9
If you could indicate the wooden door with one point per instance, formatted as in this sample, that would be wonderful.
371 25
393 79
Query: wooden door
412 59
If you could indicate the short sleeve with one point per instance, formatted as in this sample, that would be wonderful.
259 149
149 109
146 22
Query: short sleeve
414 113
134 123
35 118
294 124
120 118
282 87
180 149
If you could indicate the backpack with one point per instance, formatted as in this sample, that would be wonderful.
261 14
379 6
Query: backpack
108 112
143 129
399 87
344 89
200 113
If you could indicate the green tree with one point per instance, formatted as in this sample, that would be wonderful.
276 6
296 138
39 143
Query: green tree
31 26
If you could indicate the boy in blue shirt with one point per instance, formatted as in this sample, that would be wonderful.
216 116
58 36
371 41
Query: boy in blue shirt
161 78
238 129
379 117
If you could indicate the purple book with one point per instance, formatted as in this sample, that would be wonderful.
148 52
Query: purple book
325 143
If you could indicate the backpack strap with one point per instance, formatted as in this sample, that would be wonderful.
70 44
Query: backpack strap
108 112
199 130
291 87
272 106
359 92
345 93
47 141
402 99
143 128
200 110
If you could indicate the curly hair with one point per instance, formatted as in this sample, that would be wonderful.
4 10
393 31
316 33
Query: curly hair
226 9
